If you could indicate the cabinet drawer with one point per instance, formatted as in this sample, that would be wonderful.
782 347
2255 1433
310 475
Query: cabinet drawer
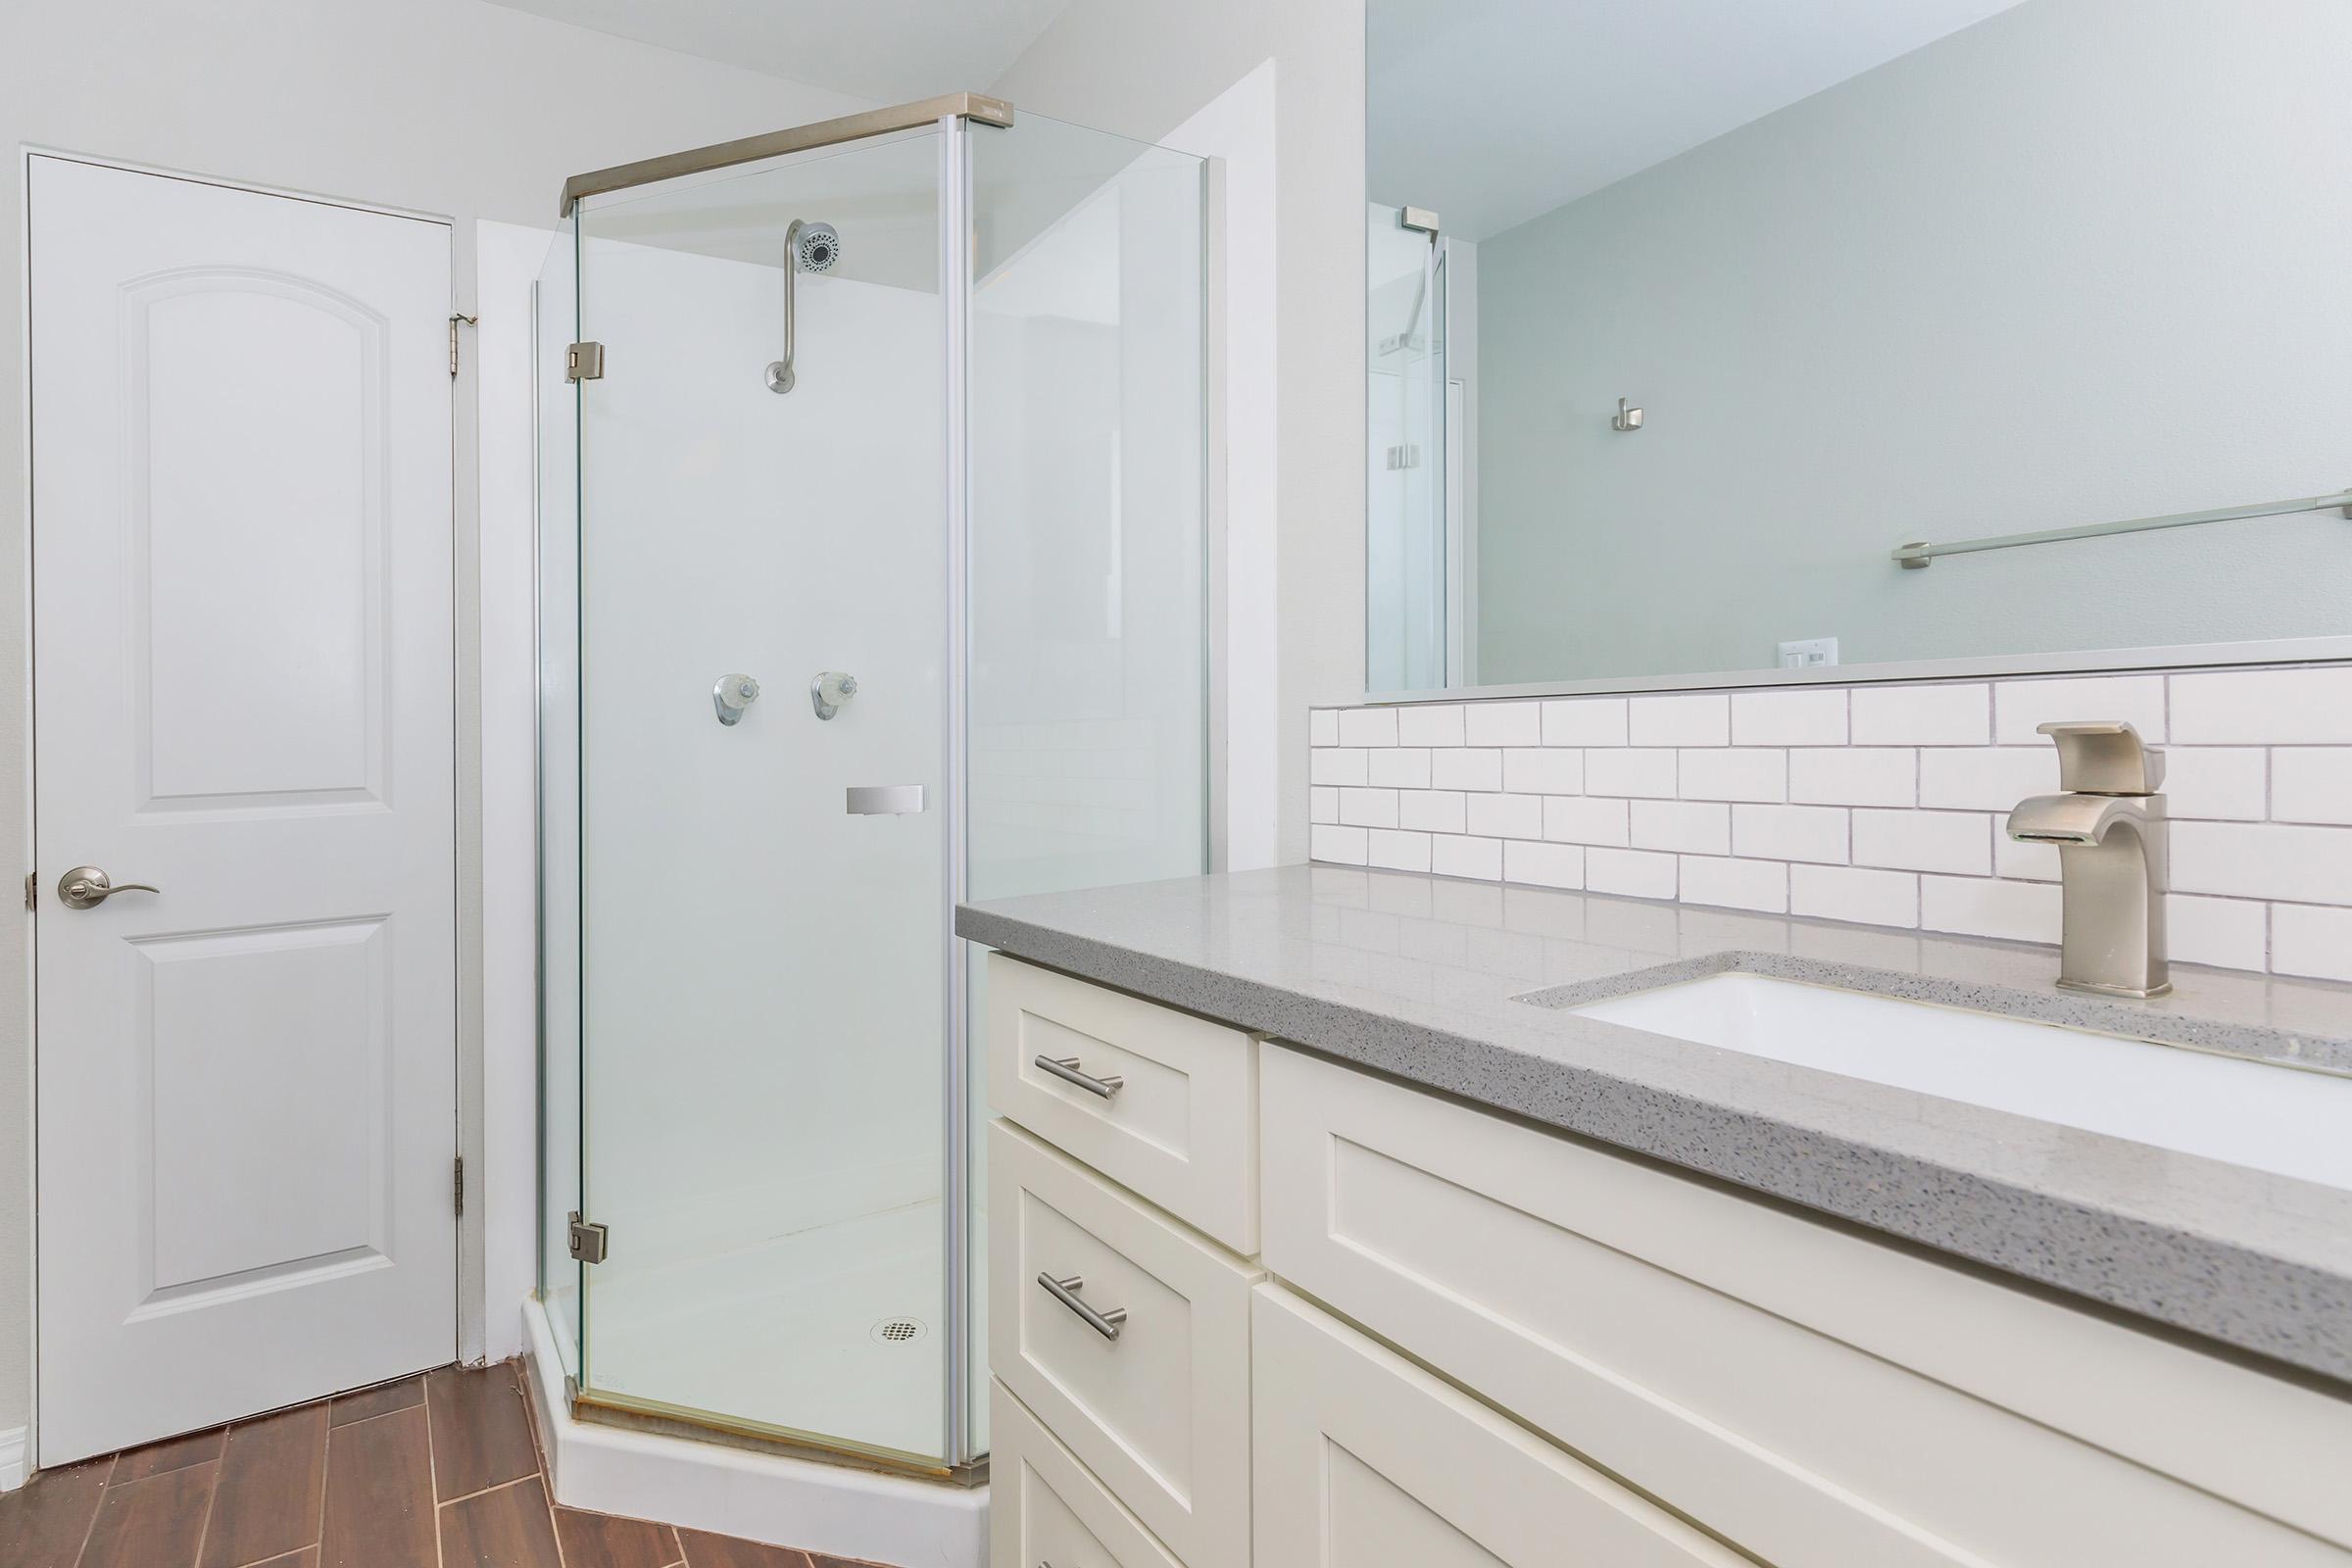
1160 1411
1363 1461
1181 1127
1804 1391
1042 1507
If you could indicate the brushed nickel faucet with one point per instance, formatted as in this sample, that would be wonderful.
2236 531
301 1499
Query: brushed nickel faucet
2109 827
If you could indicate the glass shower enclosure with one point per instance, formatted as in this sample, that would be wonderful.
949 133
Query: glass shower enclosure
871 578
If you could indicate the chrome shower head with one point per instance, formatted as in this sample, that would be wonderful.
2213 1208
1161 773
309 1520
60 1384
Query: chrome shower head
817 247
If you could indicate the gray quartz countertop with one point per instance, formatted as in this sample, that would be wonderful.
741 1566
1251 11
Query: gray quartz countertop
1423 977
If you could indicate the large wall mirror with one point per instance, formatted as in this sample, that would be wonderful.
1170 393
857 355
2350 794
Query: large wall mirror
1711 339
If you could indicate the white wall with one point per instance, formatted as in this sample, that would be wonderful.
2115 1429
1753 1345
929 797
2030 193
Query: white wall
442 106
1144 69
2080 262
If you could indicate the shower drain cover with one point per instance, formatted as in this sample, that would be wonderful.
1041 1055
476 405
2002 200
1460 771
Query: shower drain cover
900 1330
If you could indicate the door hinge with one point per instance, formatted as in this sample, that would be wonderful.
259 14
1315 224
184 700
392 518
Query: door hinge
588 1241
584 361
454 323
459 1185
32 882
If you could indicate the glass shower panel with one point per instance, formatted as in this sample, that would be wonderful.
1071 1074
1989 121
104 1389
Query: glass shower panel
1087 723
1406 493
555 325
764 992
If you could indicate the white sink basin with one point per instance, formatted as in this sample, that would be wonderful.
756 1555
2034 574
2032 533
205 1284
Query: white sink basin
2235 1109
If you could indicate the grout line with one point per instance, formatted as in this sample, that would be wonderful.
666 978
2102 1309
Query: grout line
433 1471
211 1496
90 1531
486 1491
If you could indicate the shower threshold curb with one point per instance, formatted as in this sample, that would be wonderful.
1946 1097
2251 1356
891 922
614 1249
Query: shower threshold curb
807 1504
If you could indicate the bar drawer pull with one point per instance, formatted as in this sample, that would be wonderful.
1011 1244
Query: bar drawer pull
1106 1322
1065 1069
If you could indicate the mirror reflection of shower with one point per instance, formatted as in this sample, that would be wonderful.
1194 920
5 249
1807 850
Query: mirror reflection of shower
808 248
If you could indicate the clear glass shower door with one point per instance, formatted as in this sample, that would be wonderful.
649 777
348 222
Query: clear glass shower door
763 641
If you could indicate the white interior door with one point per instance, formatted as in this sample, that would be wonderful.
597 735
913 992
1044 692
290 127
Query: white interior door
241 523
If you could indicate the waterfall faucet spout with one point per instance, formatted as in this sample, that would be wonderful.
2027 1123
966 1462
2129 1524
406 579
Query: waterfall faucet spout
2109 827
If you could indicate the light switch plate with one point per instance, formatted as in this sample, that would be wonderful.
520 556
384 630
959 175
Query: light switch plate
1809 653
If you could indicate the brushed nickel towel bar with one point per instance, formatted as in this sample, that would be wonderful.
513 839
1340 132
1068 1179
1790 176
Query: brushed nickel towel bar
1918 554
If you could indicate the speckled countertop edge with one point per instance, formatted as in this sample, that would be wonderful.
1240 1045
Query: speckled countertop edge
2197 1272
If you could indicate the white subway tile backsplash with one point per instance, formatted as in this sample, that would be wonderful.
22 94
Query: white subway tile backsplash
1335 765
1432 811
1507 816
1630 873
1543 770
1503 723
1880 805
2311 784
1398 768
1854 775
1546 865
1813 716
1459 856
1984 906
1629 771
2310 941
1958 842
1744 773
2233 933
1849 893
1397 852
1368 807
1792 833
2263 707
1430 725
1695 827
2263 860
1697 718
1341 846
1735 884
2216 783
1921 715
1587 819
1465 769
1584 721
1985 778
1367 726
2018 706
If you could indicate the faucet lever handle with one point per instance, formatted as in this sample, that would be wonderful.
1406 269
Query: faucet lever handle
2104 757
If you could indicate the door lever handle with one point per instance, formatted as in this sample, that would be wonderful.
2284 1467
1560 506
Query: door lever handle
86 887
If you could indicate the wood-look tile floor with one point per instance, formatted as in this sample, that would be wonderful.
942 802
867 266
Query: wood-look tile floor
436 1471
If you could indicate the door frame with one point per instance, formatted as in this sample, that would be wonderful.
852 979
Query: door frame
468 1134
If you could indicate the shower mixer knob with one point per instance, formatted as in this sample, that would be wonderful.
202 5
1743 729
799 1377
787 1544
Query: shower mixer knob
829 690
731 696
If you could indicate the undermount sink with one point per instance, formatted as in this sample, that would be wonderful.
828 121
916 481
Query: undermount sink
2262 1115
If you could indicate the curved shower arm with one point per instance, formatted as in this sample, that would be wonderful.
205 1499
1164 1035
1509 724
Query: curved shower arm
779 372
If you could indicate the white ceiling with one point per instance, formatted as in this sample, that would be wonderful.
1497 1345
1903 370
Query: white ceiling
891 51
1494 110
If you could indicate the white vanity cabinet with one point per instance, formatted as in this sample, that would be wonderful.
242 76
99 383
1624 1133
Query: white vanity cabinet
1465 1338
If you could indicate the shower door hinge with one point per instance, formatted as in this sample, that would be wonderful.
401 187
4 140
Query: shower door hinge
460 1186
32 885
454 323
1407 455
584 361
588 1241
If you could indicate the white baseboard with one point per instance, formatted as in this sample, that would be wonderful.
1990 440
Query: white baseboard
821 1508
16 1457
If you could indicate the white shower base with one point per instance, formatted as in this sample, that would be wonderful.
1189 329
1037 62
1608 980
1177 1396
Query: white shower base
825 1508
790 1332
